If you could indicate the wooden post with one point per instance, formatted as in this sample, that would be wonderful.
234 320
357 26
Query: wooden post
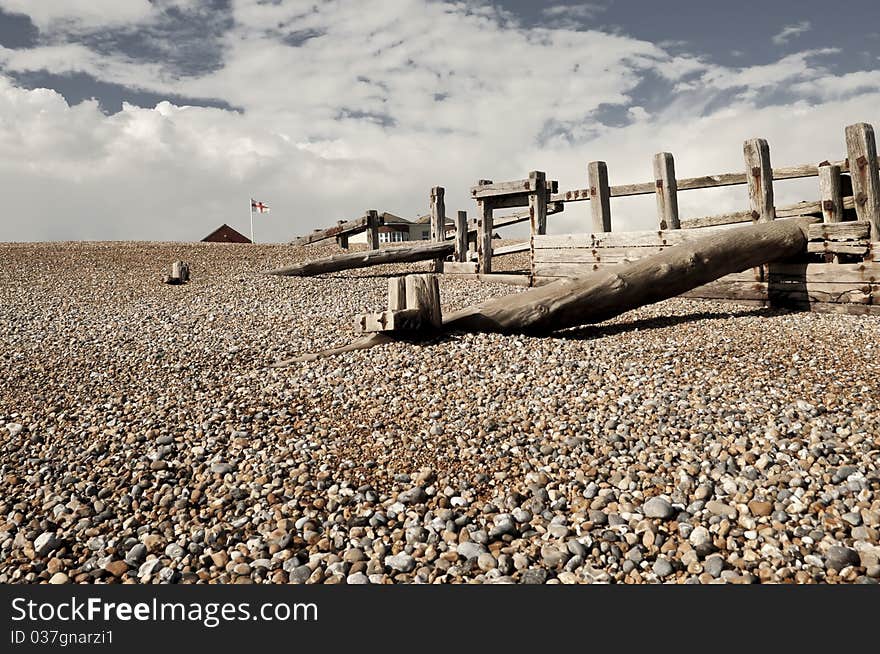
830 194
760 179
861 151
538 203
438 220
485 227
438 214
396 293
372 229
461 237
342 239
423 294
600 196
667 191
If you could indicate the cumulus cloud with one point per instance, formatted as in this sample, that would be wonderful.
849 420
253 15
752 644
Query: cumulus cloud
789 32
349 106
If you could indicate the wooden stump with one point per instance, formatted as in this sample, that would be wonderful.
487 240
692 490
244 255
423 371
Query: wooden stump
179 273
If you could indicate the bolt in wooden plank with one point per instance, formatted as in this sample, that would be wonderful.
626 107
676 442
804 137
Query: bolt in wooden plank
756 153
861 150
461 237
600 196
666 189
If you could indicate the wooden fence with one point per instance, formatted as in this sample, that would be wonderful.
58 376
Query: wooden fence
840 273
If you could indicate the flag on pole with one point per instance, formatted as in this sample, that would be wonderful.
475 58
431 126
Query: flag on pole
259 207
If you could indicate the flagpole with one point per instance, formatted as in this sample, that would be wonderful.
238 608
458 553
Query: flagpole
251 210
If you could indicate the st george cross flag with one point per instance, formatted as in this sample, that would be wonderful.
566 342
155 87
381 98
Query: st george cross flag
259 206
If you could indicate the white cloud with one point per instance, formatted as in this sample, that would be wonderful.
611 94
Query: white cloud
580 11
791 31
50 14
467 94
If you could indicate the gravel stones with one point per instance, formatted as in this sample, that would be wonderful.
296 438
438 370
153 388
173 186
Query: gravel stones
151 443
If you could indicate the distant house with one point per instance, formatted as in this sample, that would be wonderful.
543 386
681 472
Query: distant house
225 234
396 230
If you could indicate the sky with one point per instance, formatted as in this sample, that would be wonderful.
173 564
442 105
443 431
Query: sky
159 119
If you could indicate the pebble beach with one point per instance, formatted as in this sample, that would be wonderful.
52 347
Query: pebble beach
144 439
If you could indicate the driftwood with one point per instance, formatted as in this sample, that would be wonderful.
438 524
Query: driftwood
365 259
607 293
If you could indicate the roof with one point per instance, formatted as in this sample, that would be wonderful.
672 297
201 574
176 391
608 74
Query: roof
391 219
424 220
225 234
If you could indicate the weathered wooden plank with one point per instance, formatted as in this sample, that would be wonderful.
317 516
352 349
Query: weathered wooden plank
837 247
825 272
396 294
337 262
389 321
647 238
485 228
492 190
666 190
756 153
373 222
508 249
837 231
459 267
423 295
600 198
461 237
830 194
861 149
594 255
732 290
349 227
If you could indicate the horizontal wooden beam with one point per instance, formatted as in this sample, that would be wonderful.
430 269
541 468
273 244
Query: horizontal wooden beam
788 211
518 187
705 181
343 228
337 262
846 231
511 219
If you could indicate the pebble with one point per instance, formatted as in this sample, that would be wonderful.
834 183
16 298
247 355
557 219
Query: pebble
401 562
657 507
838 557
662 568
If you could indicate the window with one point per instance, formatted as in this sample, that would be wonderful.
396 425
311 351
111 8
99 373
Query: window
393 237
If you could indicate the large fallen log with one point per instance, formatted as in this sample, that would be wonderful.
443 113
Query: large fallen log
605 293
337 262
